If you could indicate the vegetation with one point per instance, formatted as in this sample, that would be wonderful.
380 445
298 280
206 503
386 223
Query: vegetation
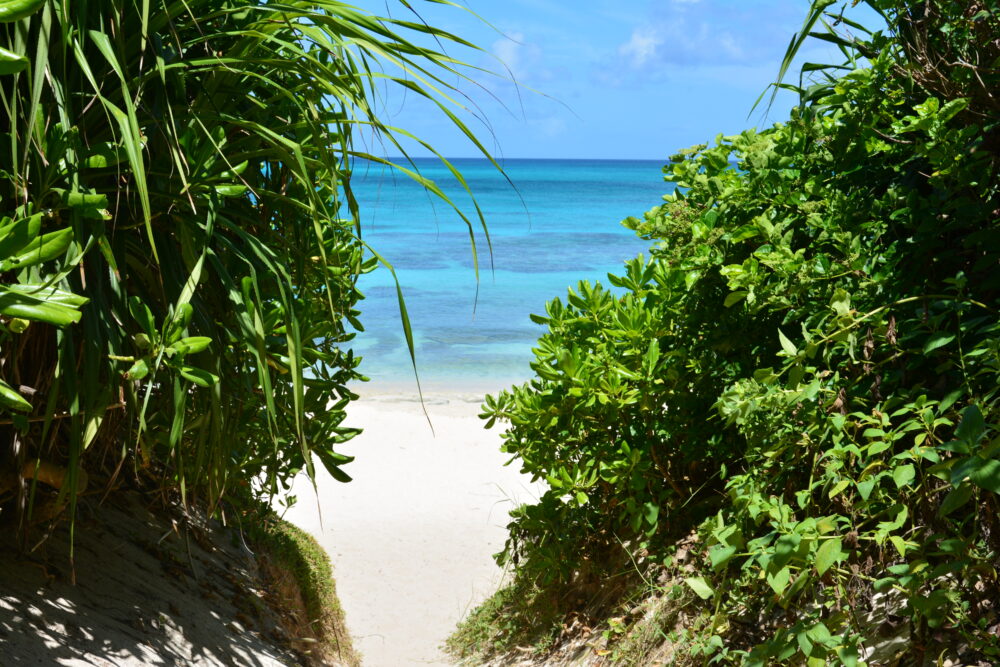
522 615
179 245
804 371
301 582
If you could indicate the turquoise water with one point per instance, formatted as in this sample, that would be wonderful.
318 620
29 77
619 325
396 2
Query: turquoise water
559 226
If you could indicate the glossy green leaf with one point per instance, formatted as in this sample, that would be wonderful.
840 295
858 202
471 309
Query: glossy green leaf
14 236
15 10
16 304
49 295
230 190
11 63
43 249
200 377
332 461
81 200
190 345
12 399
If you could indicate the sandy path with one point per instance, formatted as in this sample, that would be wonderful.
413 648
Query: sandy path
411 538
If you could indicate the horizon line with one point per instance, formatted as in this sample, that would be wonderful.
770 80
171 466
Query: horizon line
504 159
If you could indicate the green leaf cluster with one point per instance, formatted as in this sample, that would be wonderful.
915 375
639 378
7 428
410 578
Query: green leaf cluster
807 366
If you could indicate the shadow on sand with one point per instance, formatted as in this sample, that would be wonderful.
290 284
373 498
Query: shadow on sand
151 589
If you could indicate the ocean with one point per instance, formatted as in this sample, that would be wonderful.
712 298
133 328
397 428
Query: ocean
555 223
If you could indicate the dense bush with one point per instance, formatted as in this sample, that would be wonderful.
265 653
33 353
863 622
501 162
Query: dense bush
807 365
178 239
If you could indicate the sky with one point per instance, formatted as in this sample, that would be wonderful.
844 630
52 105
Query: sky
605 79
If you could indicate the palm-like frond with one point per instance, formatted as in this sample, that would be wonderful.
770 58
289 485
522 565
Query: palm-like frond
180 248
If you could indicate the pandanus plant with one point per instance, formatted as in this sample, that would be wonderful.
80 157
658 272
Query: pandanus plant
179 243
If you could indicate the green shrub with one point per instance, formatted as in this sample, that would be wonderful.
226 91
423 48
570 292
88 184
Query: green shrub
518 615
179 247
809 359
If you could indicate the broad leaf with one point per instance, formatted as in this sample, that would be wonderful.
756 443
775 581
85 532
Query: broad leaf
829 553
700 586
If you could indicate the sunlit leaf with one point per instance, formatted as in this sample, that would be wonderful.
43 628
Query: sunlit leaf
700 586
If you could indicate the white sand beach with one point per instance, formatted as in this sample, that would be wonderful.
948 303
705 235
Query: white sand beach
412 537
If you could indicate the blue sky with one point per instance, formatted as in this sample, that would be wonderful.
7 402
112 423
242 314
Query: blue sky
627 79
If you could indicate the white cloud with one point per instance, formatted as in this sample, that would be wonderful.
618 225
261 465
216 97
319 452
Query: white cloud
508 50
686 34
525 60
641 48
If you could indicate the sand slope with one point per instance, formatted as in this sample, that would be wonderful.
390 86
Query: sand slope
152 589
411 538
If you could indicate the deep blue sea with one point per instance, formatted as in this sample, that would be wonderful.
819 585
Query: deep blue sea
557 222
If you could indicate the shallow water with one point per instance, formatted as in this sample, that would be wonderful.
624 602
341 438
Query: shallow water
557 225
